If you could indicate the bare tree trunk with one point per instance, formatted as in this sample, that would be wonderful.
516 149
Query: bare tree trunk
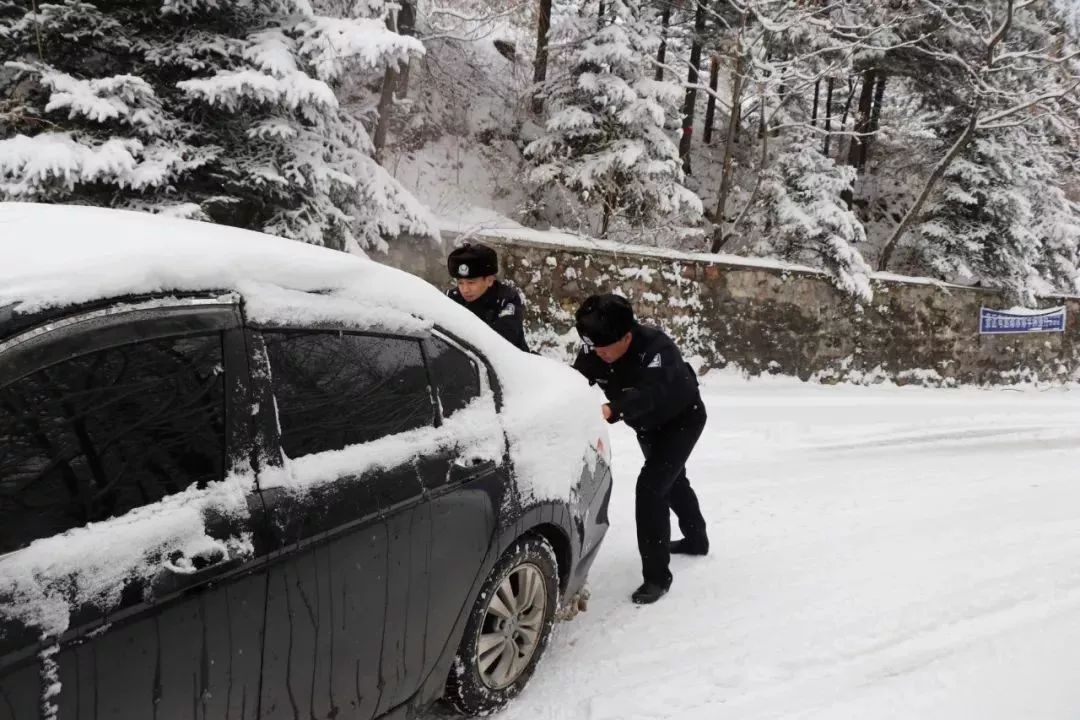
847 105
710 107
37 31
610 198
386 101
931 184
767 74
817 100
857 149
763 129
601 17
875 115
828 115
781 92
719 216
543 27
406 26
661 54
690 101
763 164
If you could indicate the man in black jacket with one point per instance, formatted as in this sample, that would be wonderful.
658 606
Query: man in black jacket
474 267
651 388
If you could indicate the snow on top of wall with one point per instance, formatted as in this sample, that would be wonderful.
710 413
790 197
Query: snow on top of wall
913 280
483 223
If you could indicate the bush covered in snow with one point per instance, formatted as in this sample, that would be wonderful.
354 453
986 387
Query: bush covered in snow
203 109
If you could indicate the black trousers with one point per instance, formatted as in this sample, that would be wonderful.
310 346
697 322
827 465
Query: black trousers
663 486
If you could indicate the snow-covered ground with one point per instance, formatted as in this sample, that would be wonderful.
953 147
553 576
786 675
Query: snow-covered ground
877 553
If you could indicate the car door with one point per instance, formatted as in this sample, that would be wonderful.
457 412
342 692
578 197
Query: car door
127 539
466 482
343 415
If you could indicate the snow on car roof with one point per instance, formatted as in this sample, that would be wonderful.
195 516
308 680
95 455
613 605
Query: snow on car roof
56 255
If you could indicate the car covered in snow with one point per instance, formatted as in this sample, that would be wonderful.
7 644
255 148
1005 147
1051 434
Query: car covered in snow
245 477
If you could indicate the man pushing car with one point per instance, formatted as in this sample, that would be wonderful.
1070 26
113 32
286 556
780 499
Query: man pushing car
653 390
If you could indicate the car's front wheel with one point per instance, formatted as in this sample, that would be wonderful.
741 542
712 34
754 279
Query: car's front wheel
508 629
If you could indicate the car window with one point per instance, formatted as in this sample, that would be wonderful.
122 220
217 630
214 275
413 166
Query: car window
95 436
338 389
456 376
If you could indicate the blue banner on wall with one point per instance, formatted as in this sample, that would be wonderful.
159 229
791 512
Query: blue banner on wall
999 322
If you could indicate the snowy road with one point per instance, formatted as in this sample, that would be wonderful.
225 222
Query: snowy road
877 553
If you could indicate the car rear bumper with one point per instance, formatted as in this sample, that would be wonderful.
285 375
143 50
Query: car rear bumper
594 526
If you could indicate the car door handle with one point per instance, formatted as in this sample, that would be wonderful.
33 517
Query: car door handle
185 571
179 572
472 462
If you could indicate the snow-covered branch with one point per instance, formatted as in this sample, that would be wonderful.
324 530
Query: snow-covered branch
1027 104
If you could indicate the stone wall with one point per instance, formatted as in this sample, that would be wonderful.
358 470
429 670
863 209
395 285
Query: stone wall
762 317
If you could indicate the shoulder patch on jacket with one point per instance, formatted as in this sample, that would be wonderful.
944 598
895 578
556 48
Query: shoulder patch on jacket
508 310
655 362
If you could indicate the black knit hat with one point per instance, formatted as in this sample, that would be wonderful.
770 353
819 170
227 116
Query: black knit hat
604 319
472 261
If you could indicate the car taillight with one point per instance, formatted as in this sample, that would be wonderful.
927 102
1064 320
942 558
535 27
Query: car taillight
602 449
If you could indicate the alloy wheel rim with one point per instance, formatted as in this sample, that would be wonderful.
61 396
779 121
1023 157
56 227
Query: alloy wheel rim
513 622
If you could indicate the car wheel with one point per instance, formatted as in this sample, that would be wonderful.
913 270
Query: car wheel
508 629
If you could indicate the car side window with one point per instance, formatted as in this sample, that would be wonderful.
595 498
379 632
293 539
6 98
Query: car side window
98 435
456 376
338 389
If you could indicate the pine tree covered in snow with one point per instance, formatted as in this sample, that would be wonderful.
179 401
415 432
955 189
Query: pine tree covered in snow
1000 221
199 108
801 217
605 139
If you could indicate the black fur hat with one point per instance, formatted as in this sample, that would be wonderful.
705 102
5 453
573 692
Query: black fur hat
472 261
604 319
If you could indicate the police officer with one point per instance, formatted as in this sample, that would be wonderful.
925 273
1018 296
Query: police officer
496 303
651 388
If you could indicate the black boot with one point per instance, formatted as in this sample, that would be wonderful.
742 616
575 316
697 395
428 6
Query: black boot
686 547
648 593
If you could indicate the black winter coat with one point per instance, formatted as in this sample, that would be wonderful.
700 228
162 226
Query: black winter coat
648 387
501 308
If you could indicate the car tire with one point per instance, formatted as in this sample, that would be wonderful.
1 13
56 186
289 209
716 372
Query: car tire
508 629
